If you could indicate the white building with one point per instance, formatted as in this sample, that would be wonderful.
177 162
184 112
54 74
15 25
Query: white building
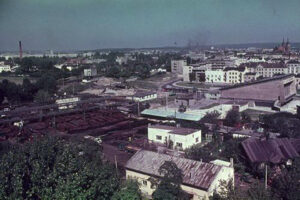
90 72
293 67
199 179
141 96
177 66
186 71
121 60
4 67
234 75
215 76
181 138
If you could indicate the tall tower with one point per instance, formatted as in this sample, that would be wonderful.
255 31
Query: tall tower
20 49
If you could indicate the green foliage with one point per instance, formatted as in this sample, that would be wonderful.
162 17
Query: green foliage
229 192
287 185
129 191
47 83
52 168
114 72
169 186
232 118
284 123
42 97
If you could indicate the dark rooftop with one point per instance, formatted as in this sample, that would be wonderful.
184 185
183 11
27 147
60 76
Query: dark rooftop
274 151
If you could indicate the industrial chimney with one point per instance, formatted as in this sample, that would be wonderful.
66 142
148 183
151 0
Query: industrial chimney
20 49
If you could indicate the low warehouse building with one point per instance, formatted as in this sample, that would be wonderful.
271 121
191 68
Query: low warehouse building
280 88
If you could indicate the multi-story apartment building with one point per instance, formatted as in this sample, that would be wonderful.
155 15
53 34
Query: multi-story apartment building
215 76
177 66
234 75
293 67
265 69
186 71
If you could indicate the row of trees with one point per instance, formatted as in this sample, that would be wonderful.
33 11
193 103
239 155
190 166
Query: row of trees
27 91
56 168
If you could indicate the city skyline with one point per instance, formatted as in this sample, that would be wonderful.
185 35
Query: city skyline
96 24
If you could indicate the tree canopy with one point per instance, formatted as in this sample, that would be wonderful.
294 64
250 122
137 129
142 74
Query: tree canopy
53 168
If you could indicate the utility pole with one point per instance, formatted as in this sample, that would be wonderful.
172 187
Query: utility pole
266 176
166 101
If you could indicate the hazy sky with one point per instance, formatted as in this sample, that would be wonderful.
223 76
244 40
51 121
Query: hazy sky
92 24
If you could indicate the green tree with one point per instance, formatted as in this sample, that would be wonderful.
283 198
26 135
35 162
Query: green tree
287 185
114 72
232 118
169 185
42 97
129 191
53 168
47 83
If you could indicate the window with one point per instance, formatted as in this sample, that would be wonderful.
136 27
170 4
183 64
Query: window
145 182
197 139
178 144
158 137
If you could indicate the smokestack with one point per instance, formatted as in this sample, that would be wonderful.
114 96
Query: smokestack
20 49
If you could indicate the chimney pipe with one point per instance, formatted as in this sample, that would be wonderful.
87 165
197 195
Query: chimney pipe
20 50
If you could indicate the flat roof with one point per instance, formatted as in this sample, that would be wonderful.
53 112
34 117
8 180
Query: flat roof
165 113
174 130
279 77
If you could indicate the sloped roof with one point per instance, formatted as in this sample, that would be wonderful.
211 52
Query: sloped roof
195 173
274 151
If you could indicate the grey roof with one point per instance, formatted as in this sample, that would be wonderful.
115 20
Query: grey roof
279 77
195 173
174 130
169 114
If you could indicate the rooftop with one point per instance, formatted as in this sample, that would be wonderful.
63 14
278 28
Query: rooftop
272 150
195 173
167 113
279 77
174 130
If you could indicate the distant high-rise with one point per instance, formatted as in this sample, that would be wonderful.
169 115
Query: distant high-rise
20 49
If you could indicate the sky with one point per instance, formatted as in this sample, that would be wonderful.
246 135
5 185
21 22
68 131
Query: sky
96 24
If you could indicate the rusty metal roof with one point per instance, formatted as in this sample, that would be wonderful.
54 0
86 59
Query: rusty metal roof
195 173
275 150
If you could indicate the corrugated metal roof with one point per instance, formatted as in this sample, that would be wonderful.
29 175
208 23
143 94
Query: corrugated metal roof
273 150
195 173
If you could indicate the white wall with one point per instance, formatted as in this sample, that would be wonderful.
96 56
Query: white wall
186 140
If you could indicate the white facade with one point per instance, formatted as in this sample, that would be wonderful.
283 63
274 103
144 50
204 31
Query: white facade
214 76
234 76
293 68
177 66
186 72
4 68
270 71
182 138
143 97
